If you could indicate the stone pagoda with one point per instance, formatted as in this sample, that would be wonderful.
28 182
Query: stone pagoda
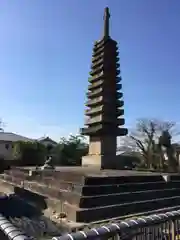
105 105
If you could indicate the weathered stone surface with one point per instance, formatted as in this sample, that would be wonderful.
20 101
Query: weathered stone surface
105 104
98 195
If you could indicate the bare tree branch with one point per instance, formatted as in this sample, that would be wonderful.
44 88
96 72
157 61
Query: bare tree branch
146 135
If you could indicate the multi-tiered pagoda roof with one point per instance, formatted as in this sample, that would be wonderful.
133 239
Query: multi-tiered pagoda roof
105 105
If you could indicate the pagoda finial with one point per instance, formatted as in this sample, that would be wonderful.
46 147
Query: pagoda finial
106 22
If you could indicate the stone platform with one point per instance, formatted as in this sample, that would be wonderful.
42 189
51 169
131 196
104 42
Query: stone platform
87 195
91 171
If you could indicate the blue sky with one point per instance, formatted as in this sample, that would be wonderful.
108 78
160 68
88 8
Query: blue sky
45 57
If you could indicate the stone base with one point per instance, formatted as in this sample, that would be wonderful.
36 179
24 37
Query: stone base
91 161
99 161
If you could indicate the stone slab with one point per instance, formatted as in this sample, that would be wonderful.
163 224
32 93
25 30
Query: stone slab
95 214
92 171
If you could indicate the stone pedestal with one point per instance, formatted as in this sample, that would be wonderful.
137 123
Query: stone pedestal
91 161
102 153
99 161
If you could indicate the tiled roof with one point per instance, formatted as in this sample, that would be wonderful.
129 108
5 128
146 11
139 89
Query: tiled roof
47 139
12 137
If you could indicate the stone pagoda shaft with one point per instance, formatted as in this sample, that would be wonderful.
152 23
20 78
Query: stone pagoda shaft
105 104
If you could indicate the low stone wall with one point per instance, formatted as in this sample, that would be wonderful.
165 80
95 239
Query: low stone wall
73 176
48 179
43 196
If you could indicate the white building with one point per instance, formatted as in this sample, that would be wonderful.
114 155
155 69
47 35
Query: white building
8 140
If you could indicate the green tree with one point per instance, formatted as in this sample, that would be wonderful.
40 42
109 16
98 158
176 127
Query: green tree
30 153
72 150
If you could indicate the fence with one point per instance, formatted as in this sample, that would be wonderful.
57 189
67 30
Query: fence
10 231
158 226
164 226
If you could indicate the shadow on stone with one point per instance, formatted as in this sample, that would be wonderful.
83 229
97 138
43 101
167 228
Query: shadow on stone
13 206
31 197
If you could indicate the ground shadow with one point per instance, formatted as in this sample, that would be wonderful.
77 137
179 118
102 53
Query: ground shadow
31 197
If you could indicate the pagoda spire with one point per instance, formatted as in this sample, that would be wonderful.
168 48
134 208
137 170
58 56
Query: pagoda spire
105 112
106 22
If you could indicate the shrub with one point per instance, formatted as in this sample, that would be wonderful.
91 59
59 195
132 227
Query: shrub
30 153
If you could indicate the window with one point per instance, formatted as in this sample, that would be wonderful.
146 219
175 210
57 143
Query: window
7 146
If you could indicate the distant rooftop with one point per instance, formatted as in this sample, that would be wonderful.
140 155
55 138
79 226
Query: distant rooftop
13 137
43 139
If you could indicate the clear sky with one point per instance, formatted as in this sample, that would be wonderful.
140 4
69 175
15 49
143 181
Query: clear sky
45 57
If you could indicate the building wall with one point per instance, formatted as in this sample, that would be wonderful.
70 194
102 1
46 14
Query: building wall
6 150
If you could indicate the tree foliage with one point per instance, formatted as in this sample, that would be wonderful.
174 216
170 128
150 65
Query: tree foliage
68 151
30 153
72 150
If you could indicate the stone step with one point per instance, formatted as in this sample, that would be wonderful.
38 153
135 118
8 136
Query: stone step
101 213
125 192
74 177
114 180
89 201
77 214
112 199
91 184
83 178
175 177
58 185
39 195
127 187
71 204
91 190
